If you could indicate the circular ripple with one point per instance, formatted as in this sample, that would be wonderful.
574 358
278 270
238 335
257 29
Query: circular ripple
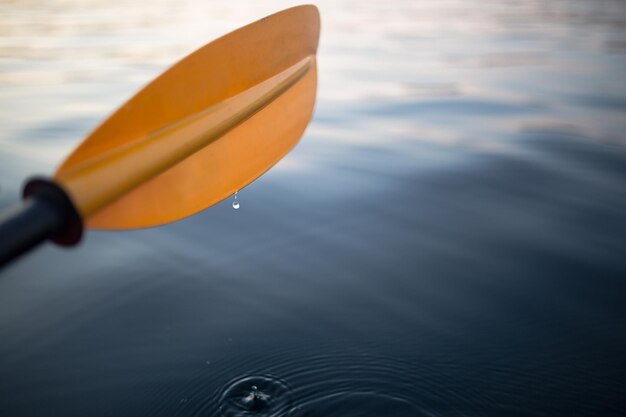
356 405
262 396
355 380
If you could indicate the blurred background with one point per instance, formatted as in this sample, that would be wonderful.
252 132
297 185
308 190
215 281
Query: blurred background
448 238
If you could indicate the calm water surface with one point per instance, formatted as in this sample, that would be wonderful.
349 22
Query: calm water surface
448 239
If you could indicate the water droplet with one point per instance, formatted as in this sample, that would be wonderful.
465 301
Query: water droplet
236 202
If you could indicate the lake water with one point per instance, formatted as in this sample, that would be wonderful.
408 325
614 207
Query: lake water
448 238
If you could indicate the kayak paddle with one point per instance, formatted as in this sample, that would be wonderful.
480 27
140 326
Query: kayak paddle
241 101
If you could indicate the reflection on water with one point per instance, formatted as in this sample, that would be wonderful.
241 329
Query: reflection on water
447 239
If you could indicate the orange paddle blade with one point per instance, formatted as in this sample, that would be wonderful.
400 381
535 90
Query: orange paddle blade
205 128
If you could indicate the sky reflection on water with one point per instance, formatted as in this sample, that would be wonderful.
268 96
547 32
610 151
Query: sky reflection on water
447 239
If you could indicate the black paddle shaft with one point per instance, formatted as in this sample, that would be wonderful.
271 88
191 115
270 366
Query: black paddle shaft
46 213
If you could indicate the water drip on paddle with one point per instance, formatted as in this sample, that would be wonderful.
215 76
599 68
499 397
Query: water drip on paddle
236 201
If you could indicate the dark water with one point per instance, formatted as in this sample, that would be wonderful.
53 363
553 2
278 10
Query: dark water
449 238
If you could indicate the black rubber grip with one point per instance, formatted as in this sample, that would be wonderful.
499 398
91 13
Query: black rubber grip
46 213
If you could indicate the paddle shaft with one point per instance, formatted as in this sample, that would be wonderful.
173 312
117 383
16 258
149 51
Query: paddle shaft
46 213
